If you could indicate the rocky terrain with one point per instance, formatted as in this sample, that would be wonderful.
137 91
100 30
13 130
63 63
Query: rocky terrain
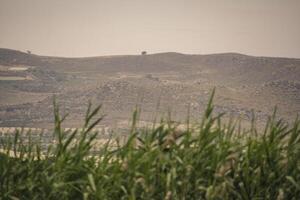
156 83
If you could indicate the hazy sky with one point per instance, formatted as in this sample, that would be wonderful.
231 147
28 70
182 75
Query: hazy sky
104 27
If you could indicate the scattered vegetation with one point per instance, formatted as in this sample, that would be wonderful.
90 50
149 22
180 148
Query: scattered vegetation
207 160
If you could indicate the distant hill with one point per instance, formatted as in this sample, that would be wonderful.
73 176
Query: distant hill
243 83
169 60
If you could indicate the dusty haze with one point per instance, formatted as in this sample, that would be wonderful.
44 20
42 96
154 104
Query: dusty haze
106 27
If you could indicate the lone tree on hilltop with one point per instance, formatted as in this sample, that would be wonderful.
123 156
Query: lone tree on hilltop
144 53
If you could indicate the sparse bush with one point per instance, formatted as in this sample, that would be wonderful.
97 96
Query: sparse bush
207 160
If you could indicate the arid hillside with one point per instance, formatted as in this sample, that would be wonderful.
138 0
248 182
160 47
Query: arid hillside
157 83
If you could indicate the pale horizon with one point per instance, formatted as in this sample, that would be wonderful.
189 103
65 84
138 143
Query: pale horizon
73 28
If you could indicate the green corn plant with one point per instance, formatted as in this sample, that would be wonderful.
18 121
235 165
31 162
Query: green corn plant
209 159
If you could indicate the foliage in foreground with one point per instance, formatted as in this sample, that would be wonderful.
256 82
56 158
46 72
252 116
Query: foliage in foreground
207 160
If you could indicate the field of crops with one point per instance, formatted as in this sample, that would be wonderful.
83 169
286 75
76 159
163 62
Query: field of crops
206 160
